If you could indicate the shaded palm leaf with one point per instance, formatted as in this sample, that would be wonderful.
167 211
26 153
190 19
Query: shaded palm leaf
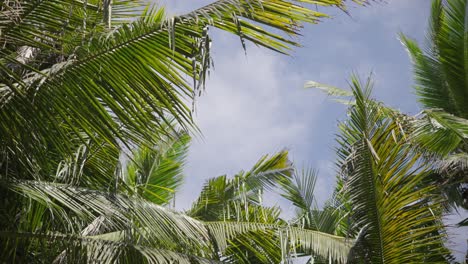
155 173
85 249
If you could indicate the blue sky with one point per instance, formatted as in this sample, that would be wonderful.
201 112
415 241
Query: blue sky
256 104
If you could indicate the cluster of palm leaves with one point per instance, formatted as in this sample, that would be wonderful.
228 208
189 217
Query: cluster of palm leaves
399 174
441 85
94 106
95 122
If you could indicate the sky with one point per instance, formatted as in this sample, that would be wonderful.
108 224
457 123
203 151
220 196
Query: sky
255 104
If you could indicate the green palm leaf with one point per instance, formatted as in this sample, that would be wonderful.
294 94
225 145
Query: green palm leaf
399 217
440 70
247 234
223 198
441 77
90 249
118 86
155 173
292 238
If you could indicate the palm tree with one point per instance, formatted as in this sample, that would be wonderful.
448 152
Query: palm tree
239 200
388 199
114 71
440 74
68 223
84 82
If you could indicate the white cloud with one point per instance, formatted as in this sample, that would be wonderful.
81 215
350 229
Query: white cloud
458 236
181 6
252 106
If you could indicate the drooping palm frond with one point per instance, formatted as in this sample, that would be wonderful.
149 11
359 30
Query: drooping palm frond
131 77
74 212
153 228
86 249
399 217
299 240
224 234
66 202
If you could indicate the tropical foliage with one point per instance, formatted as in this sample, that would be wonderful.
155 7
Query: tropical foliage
239 200
95 123
386 197
440 74
434 141
84 84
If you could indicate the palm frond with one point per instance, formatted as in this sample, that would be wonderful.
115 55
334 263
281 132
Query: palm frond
399 217
438 131
292 238
155 173
328 89
225 235
66 202
131 77
223 198
91 249
299 189
440 71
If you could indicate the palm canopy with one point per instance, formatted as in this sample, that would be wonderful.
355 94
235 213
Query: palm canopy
440 67
387 191
441 87
128 224
84 81
237 203
115 72
440 75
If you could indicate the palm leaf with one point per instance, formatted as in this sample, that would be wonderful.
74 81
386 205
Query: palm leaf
398 216
299 189
89 249
223 198
307 241
247 233
155 173
66 202
440 71
131 77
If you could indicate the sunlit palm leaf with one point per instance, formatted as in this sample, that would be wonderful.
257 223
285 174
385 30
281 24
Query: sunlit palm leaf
308 241
305 241
119 85
121 212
